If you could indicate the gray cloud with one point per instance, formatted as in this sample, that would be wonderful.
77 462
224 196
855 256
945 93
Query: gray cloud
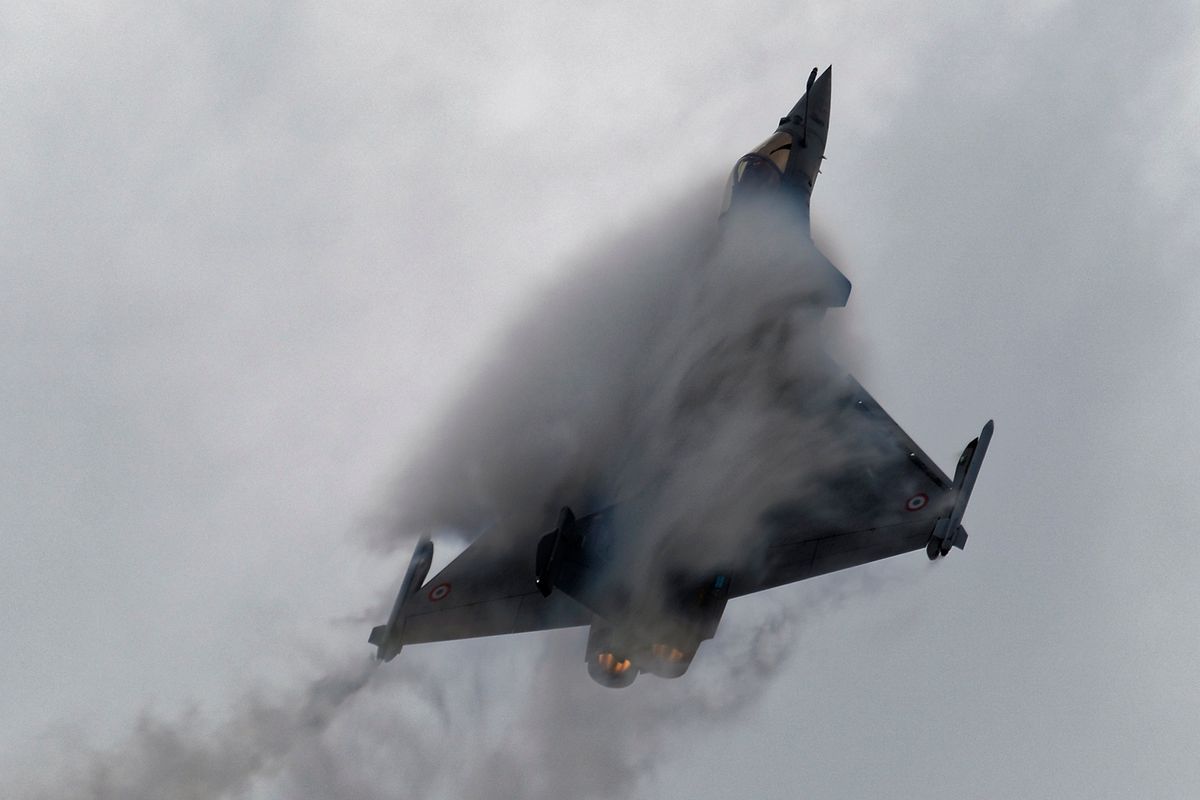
225 302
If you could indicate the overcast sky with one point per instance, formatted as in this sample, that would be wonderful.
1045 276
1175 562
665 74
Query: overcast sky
251 252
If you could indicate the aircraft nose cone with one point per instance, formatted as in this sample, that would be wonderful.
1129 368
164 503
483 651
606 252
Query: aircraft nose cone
818 98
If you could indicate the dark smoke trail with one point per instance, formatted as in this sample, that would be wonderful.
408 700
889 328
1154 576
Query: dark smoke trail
187 759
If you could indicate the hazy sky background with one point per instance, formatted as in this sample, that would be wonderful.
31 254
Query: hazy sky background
250 253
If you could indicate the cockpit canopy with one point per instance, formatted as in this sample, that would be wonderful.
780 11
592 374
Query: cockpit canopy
778 149
761 169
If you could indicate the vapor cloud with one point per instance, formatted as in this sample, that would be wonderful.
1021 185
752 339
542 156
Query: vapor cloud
675 358
682 364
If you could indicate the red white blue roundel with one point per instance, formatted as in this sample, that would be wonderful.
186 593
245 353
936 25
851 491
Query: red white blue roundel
917 502
439 592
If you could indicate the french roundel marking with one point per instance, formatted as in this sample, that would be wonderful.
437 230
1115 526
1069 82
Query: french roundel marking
439 592
917 502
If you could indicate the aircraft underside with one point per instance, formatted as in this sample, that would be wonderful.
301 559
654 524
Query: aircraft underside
650 575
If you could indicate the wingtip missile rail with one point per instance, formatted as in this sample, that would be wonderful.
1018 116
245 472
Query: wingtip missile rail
387 637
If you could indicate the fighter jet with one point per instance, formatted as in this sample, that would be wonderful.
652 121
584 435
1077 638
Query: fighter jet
649 610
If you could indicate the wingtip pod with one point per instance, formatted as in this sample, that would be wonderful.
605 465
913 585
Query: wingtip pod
949 531
386 638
